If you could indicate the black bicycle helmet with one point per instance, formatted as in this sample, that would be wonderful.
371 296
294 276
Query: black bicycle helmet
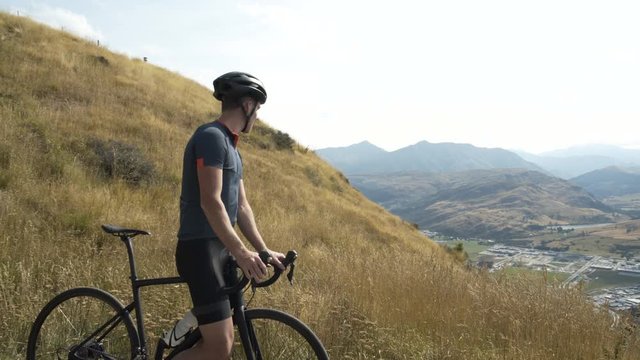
235 85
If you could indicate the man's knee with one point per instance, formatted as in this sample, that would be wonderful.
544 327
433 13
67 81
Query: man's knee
218 337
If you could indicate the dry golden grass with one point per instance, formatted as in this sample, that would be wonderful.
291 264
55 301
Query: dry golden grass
369 284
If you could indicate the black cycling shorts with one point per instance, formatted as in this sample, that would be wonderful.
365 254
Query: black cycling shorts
200 263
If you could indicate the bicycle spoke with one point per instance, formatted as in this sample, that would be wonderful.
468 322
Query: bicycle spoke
66 318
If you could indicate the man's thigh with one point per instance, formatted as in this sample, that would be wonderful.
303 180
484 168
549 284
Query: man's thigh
200 263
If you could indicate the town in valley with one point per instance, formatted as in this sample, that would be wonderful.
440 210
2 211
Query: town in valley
615 281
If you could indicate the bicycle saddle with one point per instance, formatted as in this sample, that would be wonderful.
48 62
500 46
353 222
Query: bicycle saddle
121 231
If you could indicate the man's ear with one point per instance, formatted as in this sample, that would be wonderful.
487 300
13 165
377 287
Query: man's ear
247 104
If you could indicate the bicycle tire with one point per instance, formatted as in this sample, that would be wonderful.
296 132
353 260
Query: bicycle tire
278 335
71 317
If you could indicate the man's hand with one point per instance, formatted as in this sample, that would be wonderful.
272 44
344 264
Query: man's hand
251 264
276 258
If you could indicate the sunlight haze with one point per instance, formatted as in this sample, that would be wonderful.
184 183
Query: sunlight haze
533 76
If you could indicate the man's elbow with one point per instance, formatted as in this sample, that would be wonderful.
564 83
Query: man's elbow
210 204
244 209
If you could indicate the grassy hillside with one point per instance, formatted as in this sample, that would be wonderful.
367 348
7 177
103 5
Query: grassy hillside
89 137
499 203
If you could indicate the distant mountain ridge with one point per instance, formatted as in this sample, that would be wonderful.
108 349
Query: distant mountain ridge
610 181
575 161
623 155
366 158
351 156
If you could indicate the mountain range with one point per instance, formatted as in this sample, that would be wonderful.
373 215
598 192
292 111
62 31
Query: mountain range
366 158
463 190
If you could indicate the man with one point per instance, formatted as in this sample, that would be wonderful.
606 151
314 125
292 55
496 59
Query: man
212 199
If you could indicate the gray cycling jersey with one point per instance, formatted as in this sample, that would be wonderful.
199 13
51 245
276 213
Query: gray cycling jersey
212 144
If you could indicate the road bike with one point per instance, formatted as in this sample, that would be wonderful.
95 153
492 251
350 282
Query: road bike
89 323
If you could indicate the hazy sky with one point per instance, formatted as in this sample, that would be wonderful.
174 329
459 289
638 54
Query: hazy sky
532 75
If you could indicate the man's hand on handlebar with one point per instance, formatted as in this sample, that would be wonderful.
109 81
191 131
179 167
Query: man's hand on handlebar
254 265
274 258
263 257
251 264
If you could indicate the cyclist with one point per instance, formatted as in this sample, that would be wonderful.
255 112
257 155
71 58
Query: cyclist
212 199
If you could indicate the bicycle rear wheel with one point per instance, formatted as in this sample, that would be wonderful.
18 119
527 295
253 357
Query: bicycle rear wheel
277 335
83 323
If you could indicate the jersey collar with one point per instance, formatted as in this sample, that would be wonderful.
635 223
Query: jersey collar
234 136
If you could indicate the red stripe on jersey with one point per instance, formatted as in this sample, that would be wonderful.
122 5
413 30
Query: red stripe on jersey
199 163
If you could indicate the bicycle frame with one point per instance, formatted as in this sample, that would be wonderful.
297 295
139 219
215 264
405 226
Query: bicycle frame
236 301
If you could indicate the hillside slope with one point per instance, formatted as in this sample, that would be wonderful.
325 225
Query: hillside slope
497 203
89 137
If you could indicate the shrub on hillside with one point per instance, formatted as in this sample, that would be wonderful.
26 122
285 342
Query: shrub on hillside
283 141
260 136
119 160
457 252
267 138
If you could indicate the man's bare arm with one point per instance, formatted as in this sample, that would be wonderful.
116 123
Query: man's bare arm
247 224
210 185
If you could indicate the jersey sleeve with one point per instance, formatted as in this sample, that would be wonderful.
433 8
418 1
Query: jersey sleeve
210 148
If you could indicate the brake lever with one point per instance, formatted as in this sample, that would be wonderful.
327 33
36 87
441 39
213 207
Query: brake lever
290 273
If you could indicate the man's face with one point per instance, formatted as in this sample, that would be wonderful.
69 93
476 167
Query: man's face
249 105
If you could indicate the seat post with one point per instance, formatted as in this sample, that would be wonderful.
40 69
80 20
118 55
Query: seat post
136 290
132 262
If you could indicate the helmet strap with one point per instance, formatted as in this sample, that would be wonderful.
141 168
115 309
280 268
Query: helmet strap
248 116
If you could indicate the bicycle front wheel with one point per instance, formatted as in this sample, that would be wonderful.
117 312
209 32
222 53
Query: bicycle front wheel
83 323
276 335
